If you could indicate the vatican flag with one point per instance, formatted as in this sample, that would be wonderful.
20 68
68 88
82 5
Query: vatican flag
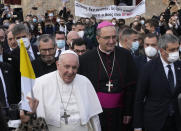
27 77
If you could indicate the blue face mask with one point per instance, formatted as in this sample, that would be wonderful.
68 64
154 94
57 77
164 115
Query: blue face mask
34 20
60 43
1 58
135 46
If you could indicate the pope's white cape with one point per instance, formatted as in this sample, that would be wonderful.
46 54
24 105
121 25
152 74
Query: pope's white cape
46 91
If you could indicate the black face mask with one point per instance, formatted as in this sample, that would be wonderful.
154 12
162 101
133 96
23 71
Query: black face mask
146 31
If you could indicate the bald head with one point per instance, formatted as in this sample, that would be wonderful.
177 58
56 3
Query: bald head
72 35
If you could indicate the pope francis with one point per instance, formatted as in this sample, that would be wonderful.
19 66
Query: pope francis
67 100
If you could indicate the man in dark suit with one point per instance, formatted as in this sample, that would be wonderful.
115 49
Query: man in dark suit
60 42
150 49
179 102
156 103
20 31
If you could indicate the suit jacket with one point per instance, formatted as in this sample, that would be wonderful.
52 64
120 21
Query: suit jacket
140 61
11 83
179 102
154 96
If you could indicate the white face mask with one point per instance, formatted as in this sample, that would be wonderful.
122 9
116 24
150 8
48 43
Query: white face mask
142 22
172 57
58 20
114 23
26 42
81 34
150 51
51 14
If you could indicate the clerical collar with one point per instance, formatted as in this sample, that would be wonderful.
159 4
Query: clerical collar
108 53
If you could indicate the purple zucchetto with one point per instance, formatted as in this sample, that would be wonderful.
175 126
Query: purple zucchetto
104 24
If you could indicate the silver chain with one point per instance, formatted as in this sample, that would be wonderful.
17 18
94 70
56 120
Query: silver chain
109 77
64 108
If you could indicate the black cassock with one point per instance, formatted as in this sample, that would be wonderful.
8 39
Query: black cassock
41 68
119 101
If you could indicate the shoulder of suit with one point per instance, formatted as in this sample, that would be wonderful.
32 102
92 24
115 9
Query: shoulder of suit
89 54
122 51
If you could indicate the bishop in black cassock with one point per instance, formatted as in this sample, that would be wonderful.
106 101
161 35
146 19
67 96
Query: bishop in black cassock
118 100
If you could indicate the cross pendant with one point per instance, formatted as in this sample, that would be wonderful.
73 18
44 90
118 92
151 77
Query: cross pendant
65 116
109 85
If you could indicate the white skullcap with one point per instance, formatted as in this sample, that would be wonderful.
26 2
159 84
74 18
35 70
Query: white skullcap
68 52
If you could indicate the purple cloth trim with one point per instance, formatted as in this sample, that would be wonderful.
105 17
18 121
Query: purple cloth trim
110 100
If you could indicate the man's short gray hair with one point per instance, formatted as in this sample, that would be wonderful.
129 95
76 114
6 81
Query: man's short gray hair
165 39
20 28
45 38
126 33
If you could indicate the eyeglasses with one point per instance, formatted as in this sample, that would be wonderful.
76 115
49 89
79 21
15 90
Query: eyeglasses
45 50
109 37
80 51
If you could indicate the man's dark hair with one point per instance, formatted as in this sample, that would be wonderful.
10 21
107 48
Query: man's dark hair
151 22
78 42
59 32
46 38
79 23
151 35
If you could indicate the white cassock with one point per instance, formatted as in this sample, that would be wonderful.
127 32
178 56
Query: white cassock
83 106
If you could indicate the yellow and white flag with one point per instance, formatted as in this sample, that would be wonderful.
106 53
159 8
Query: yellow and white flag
27 77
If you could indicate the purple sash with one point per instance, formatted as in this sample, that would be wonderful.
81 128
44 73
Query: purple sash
110 100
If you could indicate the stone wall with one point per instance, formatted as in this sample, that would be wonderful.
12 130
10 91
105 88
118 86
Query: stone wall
153 7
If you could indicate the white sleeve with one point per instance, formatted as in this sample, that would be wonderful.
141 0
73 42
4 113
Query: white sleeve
37 90
95 123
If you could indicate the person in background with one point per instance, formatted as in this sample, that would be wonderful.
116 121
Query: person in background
60 43
156 100
79 46
46 63
129 41
72 35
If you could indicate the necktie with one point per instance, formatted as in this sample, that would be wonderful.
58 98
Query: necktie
2 95
170 77
29 53
59 52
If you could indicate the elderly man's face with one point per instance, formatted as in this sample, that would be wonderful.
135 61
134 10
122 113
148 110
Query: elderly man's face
47 51
11 41
107 39
68 67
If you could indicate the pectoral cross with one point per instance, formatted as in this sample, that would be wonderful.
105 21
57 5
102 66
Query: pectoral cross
109 85
65 116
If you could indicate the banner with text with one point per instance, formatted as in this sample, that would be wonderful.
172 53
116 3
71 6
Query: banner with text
109 12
